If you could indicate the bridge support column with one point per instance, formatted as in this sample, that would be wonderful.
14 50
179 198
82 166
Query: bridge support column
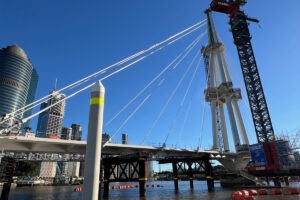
268 181
5 191
142 177
209 175
8 171
106 179
286 180
276 181
191 175
175 175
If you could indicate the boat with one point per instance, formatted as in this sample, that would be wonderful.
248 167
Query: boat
29 182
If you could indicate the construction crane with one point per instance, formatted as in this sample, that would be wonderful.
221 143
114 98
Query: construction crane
267 155
242 40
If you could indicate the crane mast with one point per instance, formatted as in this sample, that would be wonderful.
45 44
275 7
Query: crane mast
242 40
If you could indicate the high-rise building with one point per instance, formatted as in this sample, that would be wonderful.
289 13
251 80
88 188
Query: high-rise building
124 138
105 138
76 132
71 169
16 71
47 169
41 128
31 95
66 133
50 121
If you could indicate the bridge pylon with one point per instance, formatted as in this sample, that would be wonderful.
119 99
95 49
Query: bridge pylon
219 93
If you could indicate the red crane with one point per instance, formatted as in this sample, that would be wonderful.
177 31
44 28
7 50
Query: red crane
238 21
242 40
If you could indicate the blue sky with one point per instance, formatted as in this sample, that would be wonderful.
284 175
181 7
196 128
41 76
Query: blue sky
69 40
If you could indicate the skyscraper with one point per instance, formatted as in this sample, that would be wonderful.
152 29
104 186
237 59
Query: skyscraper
124 138
42 120
76 131
15 81
50 121
66 133
31 95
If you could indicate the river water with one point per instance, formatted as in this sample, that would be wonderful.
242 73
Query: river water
165 191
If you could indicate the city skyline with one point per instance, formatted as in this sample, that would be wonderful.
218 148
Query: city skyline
68 46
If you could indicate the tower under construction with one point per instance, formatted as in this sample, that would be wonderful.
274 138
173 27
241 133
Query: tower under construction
219 93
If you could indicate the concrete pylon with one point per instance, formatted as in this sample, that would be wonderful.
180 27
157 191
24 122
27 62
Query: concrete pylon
220 92
94 140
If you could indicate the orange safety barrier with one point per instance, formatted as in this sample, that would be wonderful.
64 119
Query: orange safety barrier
262 192
276 191
78 189
294 191
245 193
236 195
252 192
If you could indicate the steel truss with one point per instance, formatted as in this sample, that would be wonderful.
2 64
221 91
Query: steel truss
256 97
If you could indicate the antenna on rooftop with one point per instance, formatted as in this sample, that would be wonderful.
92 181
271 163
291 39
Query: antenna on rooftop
55 84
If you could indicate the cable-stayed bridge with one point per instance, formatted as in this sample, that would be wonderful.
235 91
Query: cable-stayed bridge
219 93
11 121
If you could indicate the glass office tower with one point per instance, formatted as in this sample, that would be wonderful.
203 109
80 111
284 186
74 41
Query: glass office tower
15 77
31 95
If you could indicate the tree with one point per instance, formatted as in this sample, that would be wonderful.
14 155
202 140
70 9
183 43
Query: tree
27 168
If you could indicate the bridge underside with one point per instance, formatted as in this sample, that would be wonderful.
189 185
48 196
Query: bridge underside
190 167
43 149
45 145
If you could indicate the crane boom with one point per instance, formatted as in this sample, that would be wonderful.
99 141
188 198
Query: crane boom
242 40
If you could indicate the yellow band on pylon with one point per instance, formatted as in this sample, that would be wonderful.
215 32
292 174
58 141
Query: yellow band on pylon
97 101
143 179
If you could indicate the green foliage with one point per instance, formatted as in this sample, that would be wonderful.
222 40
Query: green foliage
27 168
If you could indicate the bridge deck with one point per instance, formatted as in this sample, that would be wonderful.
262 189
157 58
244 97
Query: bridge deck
45 145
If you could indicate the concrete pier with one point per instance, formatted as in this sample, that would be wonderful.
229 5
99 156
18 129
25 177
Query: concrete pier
175 175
